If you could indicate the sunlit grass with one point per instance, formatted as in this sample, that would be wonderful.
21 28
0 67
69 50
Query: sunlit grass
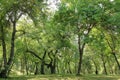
64 77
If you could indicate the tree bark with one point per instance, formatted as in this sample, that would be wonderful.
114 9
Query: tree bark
3 46
12 45
110 65
42 67
80 62
70 71
96 68
4 72
52 64
53 67
104 64
80 47
116 60
36 68
112 47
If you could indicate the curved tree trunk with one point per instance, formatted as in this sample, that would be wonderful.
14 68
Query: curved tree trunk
104 64
110 65
116 60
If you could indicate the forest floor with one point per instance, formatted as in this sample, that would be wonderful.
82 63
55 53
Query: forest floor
66 77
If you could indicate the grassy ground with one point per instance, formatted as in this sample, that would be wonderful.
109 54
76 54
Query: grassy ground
67 77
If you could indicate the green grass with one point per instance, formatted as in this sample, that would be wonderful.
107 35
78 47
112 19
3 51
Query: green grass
66 77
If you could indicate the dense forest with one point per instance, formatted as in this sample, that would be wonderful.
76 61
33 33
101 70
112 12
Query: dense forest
59 37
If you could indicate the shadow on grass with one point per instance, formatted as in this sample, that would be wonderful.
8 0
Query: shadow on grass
101 77
18 78
65 77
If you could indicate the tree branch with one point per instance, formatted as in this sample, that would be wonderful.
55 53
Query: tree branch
33 53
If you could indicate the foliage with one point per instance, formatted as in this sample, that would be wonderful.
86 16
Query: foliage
79 34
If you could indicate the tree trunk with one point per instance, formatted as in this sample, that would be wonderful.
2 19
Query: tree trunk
36 68
52 64
116 60
12 46
80 47
70 71
96 68
57 67
3 46
110 65
80 63
104 64
42 67
4 72
53 67
43 63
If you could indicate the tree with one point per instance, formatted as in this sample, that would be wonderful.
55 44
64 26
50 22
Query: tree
82 18
12 11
